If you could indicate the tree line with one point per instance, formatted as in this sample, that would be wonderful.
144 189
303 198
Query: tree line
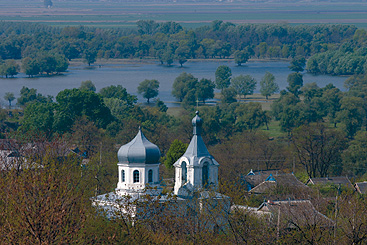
169 42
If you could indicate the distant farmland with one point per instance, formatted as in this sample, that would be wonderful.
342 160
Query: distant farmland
102 14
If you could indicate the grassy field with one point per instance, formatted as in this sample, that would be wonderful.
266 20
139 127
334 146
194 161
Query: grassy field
109 14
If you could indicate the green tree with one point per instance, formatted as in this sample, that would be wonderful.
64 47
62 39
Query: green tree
355 157
182 53
29 95
148 88
88 85
332 97
205 89
118 92
295 82
38 118
62 63
168 57
268 86
184 85
9 97
223 77
244 85
74 103
250 116
148 27
240 57
30 66
351 114
298 64
175 151
161 106
89 56
9 68
228 95
47 63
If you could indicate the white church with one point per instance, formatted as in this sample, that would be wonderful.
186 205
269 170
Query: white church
196 172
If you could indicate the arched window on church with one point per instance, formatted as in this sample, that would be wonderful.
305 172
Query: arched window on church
150 176
136 176
205 174
122 175
184 172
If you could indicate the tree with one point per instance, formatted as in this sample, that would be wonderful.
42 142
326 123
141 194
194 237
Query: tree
85 135
228 95
90 56
38 118
9 68
62 63
240 57
118 92
74 103
295 82
298 64
167 57
30 66
175 151
88 85
332 97
223 77
250 116
148 88
244 85
205 89
351 114
161 106
182 53
29 95
317 148
268 86
355 156
148 27
184 85
9 97
48 204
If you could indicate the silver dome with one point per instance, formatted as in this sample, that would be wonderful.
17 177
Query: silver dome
139 150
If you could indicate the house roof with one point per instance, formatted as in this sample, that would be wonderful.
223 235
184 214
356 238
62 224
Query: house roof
342 180
361 187
254 178
272 181
293 213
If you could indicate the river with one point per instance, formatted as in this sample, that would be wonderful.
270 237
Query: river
129 75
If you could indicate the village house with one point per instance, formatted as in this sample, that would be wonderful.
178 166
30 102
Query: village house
343 181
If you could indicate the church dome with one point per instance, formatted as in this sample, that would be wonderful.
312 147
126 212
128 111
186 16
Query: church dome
197 121
139 150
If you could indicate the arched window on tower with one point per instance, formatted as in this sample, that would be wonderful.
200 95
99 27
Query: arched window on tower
205 174
184 172
136 176
122 175
150 176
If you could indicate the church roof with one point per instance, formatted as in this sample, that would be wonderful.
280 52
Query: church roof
139 150
197 148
